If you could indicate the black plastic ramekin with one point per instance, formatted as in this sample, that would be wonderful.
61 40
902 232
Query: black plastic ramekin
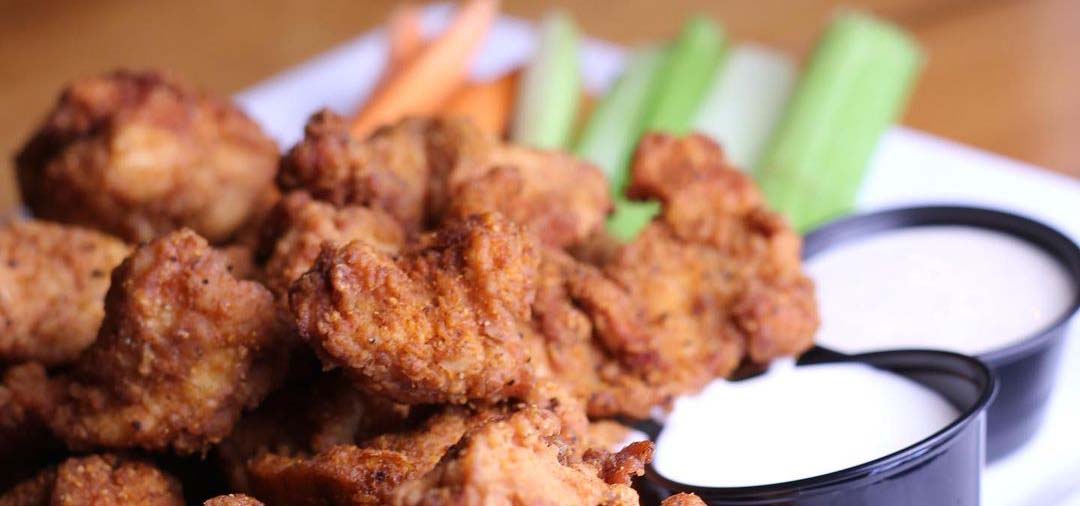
944 468
1027 370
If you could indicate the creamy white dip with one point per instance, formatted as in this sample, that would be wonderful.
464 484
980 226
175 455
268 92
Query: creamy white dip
963 289
793 423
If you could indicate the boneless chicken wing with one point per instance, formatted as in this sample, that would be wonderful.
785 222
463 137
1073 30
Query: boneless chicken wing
183 349
97 480
53 280
299 226
138 154
718 274
440 323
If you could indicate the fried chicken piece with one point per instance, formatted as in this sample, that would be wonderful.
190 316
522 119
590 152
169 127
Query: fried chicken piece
559 198
423 171
53 280
440 323
718 274
517 460
299 226
183 349
590 335
306 417
97 480
683 499
401 169
361 473
232 500
138 154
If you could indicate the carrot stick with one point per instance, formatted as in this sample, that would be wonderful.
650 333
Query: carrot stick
487 104
433 75
405 36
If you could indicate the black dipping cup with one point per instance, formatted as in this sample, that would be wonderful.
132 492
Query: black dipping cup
944 468
1026 370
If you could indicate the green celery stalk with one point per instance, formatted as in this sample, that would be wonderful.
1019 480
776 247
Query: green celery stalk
550 91
686 77
746 101
674 99
611 134
856 84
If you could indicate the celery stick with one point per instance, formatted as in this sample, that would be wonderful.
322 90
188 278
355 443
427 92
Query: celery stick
686 77
550 91
612 132
676 95
746 101
856 83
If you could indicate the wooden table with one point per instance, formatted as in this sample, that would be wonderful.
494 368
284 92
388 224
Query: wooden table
1002 75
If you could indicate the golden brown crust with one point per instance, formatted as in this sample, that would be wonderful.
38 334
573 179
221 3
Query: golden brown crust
97 480
520 459
440 323
299 226
232 500
718 275
306 417
401 169
54 280
342 475
138 154
560 199
183 349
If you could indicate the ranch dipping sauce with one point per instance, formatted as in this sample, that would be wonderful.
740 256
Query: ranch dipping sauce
795 422
957 288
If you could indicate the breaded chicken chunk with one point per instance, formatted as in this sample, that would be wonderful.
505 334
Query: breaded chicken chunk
25 443
519 459
718 274
401 169
559 198
183 349
589 335
53 280
138 154
97 480
306 417
424 171
299 226
440 323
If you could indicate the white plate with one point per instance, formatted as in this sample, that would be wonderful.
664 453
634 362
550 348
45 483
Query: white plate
909 167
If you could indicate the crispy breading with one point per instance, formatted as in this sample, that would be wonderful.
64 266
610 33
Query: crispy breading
683 499
97 480
53 280
305 417
401 169
440 323
718 275
138 154
559 198
232 500
299 226
343 475
183 349
519 459
591 336
423 171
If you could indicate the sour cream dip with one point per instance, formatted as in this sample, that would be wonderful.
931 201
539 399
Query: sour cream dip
793 423
958 288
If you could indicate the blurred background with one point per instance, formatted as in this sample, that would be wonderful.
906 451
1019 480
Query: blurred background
1002 75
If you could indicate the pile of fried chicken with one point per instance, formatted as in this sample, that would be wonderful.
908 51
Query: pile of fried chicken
427 316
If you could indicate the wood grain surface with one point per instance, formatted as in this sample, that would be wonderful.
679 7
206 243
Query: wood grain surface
1002 75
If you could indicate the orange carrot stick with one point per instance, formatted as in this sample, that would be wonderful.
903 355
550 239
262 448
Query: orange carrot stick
433 75
405 36
488 104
